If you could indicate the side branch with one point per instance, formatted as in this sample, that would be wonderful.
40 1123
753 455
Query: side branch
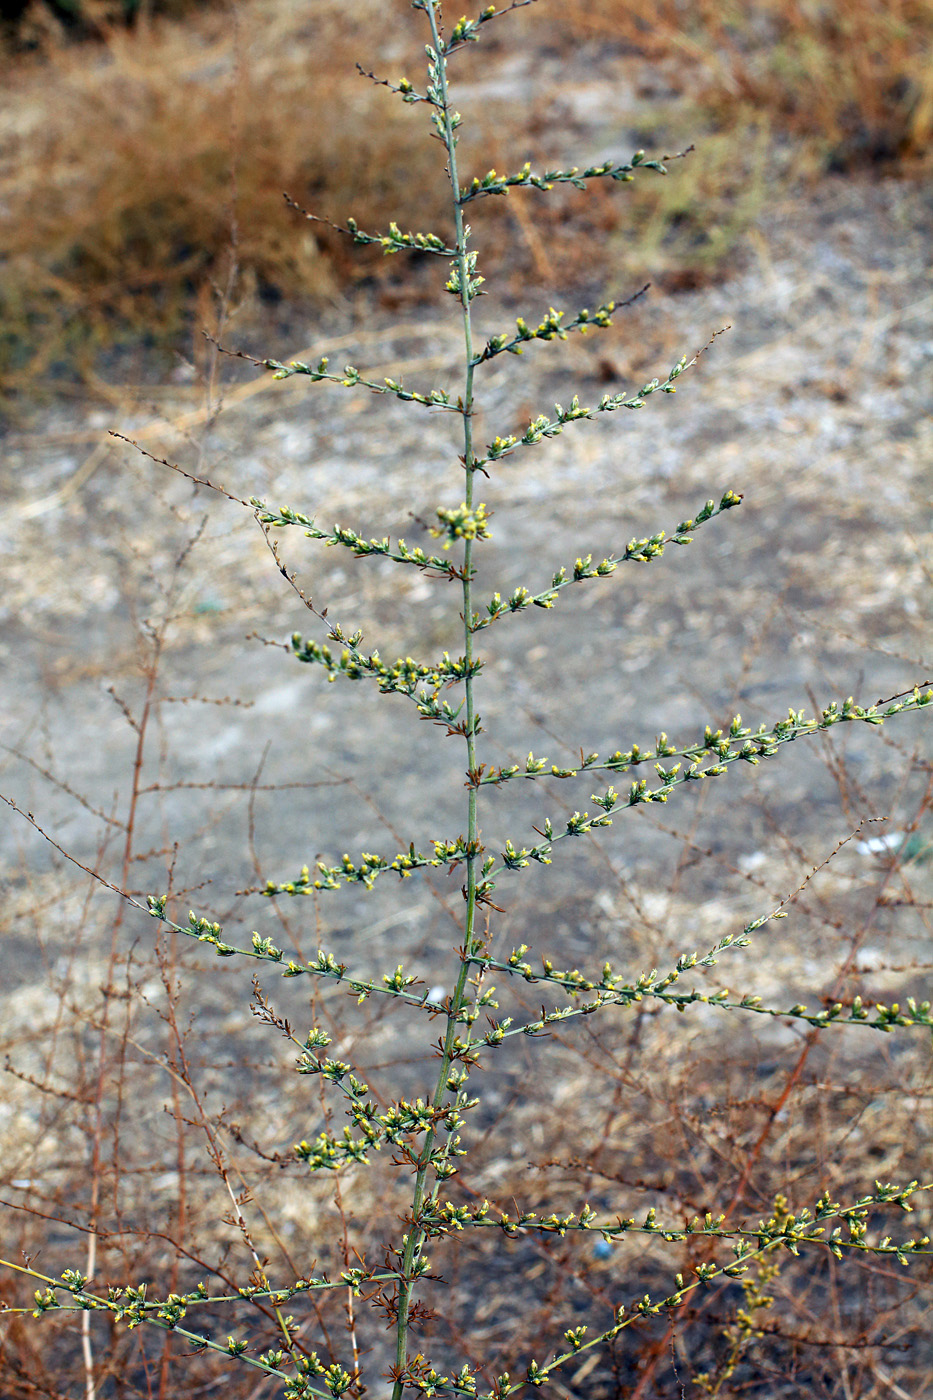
395 241
494 183
715 749
639 551
349 539
403 677
398 985
710 759
782 1230
552 327
331 877
544 427
349 379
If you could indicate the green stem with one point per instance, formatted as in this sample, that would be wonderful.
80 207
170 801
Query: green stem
415 1238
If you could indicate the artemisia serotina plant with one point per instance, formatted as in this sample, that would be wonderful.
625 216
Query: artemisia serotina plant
431 1136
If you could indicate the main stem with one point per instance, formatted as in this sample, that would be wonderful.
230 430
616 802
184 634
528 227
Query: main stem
414 1240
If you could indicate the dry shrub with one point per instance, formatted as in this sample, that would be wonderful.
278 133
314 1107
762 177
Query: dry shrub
160 158
716 1117
771 93
136 172
852 81
47 24
142 1094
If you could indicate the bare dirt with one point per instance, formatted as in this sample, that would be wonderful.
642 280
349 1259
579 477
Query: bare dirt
814 406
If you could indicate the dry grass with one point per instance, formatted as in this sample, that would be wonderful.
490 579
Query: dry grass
151 163
136 172
44 25
852 82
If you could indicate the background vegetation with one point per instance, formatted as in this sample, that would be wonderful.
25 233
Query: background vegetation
135 165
